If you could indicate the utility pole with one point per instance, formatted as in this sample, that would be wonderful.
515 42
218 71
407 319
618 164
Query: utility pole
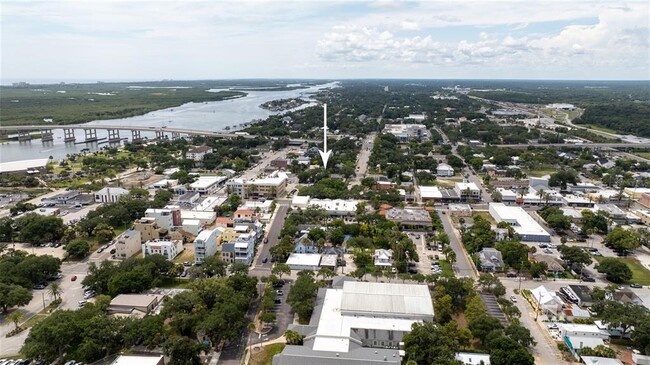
43 295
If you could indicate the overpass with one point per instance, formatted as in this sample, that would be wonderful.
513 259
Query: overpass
90 132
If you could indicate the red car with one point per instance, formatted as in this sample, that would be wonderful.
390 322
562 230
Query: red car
73 278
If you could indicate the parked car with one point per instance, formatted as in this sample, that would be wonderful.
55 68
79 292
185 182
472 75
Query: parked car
82 303
513 299
265 260
279 292
636 286
553 326
588 279
73 278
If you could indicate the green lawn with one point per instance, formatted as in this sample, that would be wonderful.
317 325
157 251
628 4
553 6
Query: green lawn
643 154
265 356
446 268
541 172
640 274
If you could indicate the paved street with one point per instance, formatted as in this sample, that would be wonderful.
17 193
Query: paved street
362 159
463 266
273 235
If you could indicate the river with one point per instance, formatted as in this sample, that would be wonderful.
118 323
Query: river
209 116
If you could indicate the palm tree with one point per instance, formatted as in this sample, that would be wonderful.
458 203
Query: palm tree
54 290
540 194
16 317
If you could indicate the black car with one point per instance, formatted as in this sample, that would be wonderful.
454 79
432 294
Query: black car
588 279
635 285
265 260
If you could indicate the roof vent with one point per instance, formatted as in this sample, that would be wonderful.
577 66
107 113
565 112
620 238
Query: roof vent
337 354
385 358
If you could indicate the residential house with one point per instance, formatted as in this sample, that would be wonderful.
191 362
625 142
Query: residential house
444 170
206 244
305 245
383 258
167 248
128 244
547 300
491 260
582 293
243 215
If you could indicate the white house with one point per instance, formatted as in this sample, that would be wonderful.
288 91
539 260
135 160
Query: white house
110 195
167 248
205 244
444 170
383 258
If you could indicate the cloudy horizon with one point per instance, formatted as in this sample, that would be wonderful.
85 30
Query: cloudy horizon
155 40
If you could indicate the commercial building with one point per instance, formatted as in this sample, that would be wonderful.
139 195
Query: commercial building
304 261
167 248
206 244
206 218
410 218
128 244
192 226
460 210
272 186
209 203
198 153
207 184
444 170
429 193
110 195
333 207
467 191
189 198
70 198
523 224
408 132
47 211
360 323
137 305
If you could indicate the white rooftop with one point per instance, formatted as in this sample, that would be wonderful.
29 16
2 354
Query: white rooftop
335 205
386 298
208 204
304 259
430 192
473 358
524 223
191 214
466 185
23 165
204 182
204 235
334 326
595 360
138 360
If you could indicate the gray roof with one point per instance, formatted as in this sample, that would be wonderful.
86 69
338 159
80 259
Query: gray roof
386 298
301 355
228 247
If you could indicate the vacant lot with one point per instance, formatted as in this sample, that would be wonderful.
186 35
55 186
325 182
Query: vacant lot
640 274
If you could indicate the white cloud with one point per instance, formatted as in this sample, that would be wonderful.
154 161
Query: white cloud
409 25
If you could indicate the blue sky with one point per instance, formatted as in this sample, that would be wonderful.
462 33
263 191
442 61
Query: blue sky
148 40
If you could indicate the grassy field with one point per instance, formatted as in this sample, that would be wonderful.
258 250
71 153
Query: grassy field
541 172
643 154
599 128
485 215
265 356
640 274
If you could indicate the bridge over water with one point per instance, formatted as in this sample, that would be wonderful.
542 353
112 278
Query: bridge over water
25 133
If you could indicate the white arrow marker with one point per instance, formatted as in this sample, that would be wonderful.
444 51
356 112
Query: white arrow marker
325 155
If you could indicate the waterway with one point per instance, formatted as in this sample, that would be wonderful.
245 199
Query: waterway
209 116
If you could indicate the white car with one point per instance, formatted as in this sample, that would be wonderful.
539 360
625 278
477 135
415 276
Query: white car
513 299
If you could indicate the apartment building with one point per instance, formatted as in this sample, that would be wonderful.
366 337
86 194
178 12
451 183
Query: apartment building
128 244
271 186
206 244
167 248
